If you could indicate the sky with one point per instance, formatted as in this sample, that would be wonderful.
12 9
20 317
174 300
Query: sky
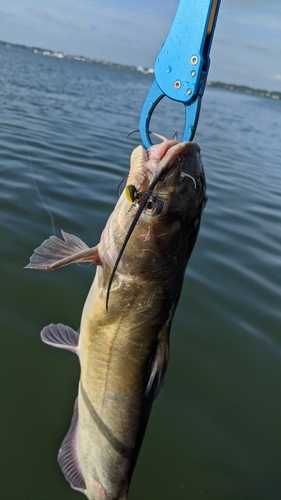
246 49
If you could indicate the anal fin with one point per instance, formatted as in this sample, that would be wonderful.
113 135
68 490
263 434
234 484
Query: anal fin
68 456
55 252
61 336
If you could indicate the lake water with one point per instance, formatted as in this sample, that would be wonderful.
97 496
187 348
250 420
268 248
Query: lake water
215 432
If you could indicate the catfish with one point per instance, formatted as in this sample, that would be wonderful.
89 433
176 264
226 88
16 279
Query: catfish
123 341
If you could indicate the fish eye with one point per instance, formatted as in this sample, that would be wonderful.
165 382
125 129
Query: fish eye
154 206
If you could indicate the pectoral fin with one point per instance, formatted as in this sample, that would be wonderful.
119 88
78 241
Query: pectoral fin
68 456
54 253
61 336
158 369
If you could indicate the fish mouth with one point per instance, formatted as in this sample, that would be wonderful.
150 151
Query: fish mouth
183 149
178 162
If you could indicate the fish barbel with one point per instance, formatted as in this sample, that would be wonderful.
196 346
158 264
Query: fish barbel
123 349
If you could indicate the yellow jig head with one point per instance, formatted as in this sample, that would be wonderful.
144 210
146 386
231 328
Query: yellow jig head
131 193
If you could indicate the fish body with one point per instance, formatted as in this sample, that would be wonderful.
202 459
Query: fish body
123 348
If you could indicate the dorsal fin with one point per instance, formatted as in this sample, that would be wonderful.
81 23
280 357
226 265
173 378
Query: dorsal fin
61 336
54 253
68 455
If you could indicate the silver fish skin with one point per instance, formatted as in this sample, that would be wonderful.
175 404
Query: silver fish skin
123 350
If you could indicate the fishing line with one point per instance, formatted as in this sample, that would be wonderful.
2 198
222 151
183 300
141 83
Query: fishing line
36 186
119 188
133 132
162 137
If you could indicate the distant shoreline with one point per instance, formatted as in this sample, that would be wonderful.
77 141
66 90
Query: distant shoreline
244 89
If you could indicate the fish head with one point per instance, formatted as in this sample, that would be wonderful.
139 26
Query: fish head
166 192
180 188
